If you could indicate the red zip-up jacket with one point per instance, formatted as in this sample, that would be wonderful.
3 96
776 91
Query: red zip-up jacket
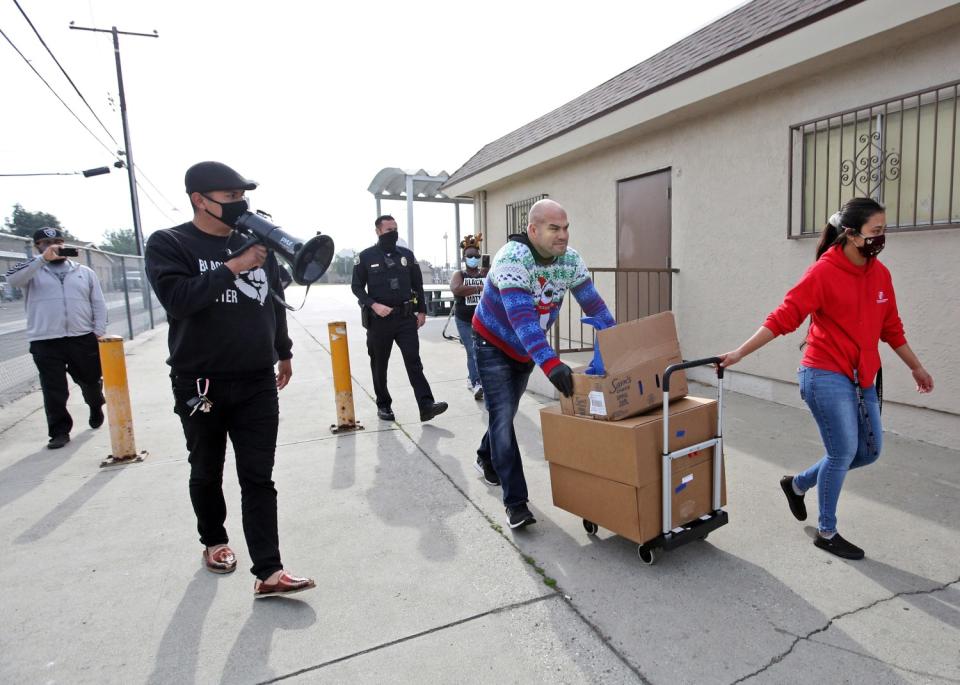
851 307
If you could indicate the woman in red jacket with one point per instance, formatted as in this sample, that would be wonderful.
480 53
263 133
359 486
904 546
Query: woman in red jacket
848 295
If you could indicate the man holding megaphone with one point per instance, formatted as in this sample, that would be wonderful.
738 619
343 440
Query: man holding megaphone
226 333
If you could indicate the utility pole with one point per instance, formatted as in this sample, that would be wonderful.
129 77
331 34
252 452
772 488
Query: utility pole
128 146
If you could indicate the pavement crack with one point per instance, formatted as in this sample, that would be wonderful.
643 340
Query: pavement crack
414 636
21 419
498 528
604 639
870 657
829 624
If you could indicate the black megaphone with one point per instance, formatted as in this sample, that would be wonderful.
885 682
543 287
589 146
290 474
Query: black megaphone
308 260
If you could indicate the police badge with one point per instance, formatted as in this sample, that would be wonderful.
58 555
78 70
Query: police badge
403 261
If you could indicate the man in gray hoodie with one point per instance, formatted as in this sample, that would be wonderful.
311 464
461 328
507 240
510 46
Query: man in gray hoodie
66 313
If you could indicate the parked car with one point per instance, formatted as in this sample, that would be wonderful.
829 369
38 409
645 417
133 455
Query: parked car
134 280
7 292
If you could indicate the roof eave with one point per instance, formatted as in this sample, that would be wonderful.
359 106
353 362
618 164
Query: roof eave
825 32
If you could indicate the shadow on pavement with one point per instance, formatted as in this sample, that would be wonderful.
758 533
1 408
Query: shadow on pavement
179 650
35 467
67 507
345 463
249 658
720 616
400 500
945 607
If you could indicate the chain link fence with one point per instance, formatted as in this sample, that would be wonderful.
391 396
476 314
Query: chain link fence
131 309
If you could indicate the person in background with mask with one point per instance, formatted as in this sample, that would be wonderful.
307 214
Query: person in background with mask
467 287
388 285
848 294
225 335
66 313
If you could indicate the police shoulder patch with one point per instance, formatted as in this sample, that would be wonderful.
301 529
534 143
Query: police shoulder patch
403 261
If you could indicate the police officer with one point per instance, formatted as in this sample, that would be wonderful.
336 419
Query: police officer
389 286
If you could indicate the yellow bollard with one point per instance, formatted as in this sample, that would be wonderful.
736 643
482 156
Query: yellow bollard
117 394
342 382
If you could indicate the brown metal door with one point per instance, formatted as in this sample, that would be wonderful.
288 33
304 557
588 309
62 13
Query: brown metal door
643 242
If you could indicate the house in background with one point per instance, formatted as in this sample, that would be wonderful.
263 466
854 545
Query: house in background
699 180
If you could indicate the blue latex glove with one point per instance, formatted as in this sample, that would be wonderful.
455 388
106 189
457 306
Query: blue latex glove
595 368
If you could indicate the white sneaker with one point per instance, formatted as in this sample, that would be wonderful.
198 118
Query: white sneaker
478 392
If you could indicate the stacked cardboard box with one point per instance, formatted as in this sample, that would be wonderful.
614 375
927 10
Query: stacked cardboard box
606 460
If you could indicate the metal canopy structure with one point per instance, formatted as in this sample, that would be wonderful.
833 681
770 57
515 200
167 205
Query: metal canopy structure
392 183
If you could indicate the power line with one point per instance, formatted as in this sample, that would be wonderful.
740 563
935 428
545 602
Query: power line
64 71
40 76
75 116
154 203
146 178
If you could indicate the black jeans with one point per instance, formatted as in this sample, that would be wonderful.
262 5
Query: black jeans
248 412
78 356
380 338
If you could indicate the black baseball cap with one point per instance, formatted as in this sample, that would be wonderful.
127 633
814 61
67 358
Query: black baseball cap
47 233
206 176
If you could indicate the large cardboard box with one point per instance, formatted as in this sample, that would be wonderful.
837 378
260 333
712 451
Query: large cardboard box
635 513
610 472
627 451
635 355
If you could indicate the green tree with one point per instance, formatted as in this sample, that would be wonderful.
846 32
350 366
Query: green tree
25 223
122 241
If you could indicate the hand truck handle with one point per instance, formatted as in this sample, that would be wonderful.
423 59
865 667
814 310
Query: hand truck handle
689 365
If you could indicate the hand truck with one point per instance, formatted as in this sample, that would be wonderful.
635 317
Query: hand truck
698 529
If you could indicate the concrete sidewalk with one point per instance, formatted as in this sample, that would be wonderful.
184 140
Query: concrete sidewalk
418 581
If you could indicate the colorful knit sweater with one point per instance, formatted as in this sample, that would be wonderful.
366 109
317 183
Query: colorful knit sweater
522 299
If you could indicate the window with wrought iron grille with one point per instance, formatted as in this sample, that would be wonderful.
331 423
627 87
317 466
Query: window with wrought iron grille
517 214
903 152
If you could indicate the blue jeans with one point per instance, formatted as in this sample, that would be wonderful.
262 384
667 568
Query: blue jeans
851 433
504 382
465 329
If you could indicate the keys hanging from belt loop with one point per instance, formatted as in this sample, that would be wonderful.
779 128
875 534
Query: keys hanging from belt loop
201 402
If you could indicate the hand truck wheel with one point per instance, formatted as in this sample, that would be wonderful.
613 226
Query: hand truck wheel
647 555
590 527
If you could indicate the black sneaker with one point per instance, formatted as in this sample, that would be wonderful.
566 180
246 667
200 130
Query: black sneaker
58 441
797 507
519 516
386 415
837 545
486 469
96 417
433 410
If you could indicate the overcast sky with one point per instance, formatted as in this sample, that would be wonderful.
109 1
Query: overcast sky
309 99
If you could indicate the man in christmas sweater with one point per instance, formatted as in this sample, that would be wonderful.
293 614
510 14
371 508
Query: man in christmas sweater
521 300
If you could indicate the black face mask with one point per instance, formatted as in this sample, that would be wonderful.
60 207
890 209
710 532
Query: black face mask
872 246
388 240
229 211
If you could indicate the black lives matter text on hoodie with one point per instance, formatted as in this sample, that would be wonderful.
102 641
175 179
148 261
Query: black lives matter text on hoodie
221 325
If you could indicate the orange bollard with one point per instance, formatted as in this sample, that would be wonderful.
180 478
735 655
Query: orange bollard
117 394
342 381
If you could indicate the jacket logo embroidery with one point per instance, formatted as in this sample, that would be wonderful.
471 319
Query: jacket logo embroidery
881 299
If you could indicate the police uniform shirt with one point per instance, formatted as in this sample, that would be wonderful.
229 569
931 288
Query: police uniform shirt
389 278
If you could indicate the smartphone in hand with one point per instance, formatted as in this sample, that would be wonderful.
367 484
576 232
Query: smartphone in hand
65 251
485 261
